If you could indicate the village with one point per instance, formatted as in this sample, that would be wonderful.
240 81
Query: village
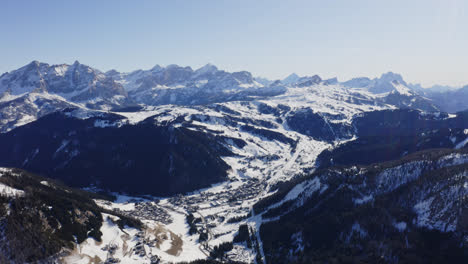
206 213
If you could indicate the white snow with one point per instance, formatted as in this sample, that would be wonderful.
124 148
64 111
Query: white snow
90 249
356 230
103 123
402 89
62 146
190 248
45 183
453 139
135 117
461 144
61 69
8 191
6 97
390 179
422 209
452 159
3 170
364 199
401 226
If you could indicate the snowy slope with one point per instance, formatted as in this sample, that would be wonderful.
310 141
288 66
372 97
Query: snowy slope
22 109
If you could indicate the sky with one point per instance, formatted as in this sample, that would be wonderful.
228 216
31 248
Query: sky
425 41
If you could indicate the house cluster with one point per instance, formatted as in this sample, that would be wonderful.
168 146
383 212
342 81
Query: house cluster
148 211
233 197
139 248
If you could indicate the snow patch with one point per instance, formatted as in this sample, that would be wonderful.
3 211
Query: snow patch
401 226
461 144
364 199
8 191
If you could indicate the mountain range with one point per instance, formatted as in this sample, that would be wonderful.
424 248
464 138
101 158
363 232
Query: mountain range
41 88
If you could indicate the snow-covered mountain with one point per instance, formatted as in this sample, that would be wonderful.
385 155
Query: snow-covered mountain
445 98
19 110
393 90
82 86
387 82
76 83
292 78
183 86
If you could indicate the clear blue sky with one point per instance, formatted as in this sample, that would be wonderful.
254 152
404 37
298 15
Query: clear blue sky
425 41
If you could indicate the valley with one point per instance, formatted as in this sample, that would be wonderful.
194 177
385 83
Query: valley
182 165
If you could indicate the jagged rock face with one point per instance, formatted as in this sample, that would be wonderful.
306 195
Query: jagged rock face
76 82
393 208
183 86
25 79
308 81
171 75
395 90
143 159
386 83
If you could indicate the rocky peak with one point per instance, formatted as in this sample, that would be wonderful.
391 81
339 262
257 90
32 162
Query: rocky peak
309 81
390 77
292 78
243 76
157 68
208 68
386 83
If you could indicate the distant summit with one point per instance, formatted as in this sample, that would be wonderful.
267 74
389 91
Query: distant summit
384 84
292 78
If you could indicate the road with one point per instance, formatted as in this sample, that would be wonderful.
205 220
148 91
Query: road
204 247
